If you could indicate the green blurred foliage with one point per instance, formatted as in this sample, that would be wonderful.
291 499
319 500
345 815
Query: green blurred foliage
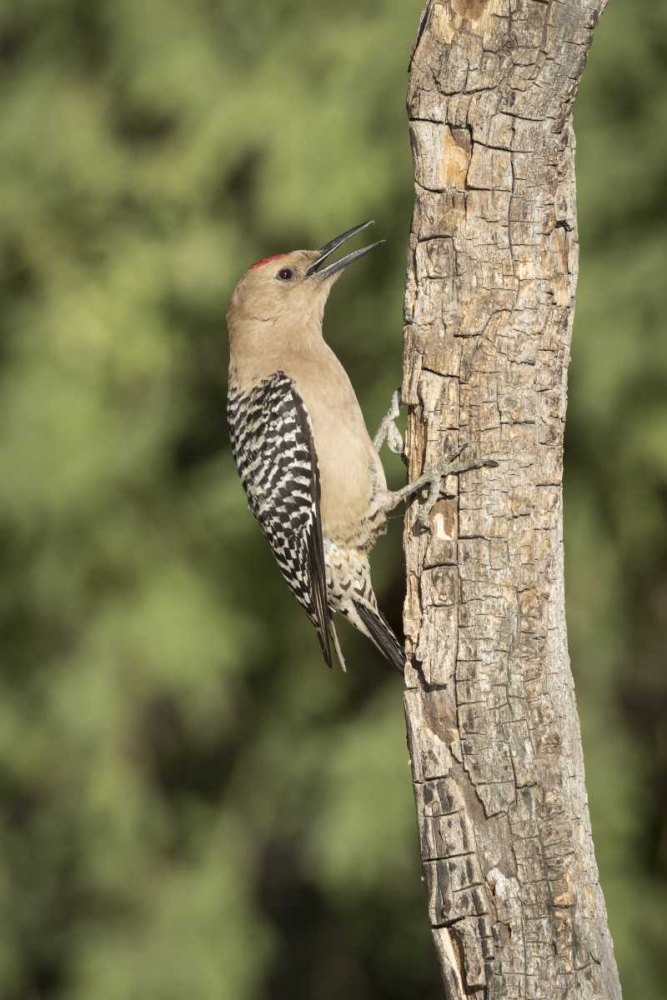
192 805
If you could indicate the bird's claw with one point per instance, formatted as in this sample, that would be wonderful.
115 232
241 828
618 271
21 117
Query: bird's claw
453 468
394 440
448 467
388 431
395 405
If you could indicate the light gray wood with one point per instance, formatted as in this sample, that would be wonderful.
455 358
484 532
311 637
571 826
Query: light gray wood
512 883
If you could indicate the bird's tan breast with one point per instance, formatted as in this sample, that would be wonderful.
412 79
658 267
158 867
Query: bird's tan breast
350 469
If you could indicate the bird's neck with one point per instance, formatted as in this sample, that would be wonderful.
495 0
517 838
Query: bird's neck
260 348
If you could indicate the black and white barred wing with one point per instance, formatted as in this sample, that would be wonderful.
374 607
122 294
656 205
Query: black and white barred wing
273 448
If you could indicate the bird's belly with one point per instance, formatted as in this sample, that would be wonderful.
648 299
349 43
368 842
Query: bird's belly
351 478
351 473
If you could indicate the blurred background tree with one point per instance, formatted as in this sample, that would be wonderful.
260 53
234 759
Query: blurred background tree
192 805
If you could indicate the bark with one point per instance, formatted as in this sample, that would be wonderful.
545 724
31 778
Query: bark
514 899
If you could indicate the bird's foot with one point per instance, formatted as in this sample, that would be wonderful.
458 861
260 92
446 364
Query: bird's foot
388 431
453 465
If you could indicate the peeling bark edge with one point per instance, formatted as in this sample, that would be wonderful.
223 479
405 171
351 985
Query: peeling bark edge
514 900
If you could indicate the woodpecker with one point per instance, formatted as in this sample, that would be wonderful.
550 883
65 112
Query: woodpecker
310 470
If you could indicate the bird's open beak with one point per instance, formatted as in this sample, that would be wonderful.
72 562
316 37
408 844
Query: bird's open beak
325 252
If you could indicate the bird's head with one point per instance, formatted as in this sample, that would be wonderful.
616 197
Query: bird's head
292 286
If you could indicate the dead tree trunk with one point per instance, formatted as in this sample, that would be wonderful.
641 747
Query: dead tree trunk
514 900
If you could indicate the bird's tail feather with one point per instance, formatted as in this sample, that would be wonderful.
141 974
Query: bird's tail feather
339 651
380 632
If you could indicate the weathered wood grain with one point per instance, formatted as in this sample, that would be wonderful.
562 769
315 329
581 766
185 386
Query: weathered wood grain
513 893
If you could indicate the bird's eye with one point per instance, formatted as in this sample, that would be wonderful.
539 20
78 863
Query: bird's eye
285 274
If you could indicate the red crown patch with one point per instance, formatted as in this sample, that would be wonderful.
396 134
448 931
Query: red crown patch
267 260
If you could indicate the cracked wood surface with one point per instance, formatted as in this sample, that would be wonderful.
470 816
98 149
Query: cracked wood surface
514 900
